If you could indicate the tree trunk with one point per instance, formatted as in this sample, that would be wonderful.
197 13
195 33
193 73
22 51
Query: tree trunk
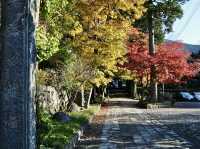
82 96
89 98
163 89
71 101
152 52
135 89
104 92
154 84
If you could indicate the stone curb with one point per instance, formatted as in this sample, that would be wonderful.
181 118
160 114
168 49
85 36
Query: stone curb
157 106
79 133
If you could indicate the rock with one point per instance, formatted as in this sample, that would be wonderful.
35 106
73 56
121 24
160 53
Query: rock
63 100
51 100
75 108
61 117
48 99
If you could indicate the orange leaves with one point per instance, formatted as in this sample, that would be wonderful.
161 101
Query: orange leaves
172 63
171 60
138 56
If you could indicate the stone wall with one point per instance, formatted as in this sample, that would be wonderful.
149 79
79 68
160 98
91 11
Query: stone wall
50 100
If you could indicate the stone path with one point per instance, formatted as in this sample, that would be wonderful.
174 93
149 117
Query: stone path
127 127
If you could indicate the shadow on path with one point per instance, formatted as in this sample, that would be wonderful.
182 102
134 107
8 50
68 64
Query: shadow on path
120 125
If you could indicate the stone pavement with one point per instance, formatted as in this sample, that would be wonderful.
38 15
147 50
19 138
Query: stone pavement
127 127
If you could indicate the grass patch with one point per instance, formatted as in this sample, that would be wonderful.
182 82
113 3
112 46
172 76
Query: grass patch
54 134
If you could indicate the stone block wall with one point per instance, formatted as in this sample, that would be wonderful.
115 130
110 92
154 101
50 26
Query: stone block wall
50 100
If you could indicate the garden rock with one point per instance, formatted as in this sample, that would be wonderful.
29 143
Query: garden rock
75 108
48 99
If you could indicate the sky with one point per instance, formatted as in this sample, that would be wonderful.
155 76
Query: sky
187 29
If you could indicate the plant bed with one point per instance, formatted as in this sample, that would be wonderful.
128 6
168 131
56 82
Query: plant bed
58 135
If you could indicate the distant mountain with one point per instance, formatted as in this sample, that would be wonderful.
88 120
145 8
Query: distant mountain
190 47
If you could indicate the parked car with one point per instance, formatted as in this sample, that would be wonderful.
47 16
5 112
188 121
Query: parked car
197 95
187 96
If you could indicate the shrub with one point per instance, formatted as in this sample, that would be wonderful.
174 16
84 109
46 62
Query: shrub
55 134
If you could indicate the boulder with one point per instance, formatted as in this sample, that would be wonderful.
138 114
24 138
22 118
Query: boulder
49 99
75 108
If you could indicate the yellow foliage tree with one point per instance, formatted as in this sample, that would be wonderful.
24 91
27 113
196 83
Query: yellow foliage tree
94 30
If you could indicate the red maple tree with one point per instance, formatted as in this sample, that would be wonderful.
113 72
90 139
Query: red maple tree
172 63
138 55
171 60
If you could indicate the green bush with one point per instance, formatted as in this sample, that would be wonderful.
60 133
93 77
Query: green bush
54 134
42 77
99 99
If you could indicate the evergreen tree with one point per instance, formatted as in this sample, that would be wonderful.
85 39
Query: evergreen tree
164 13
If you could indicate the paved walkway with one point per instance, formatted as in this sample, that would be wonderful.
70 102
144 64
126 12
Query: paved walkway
127 127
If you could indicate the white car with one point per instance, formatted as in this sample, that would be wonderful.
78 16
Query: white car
197 95
187 95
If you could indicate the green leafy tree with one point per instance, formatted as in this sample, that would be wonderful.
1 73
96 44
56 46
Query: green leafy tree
57 19
164 13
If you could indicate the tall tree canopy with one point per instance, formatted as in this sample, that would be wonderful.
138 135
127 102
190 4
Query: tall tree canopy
165 13
105 27
85 38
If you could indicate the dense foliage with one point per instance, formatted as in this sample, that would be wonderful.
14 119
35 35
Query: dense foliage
164 13
171 60
83 44
84 40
